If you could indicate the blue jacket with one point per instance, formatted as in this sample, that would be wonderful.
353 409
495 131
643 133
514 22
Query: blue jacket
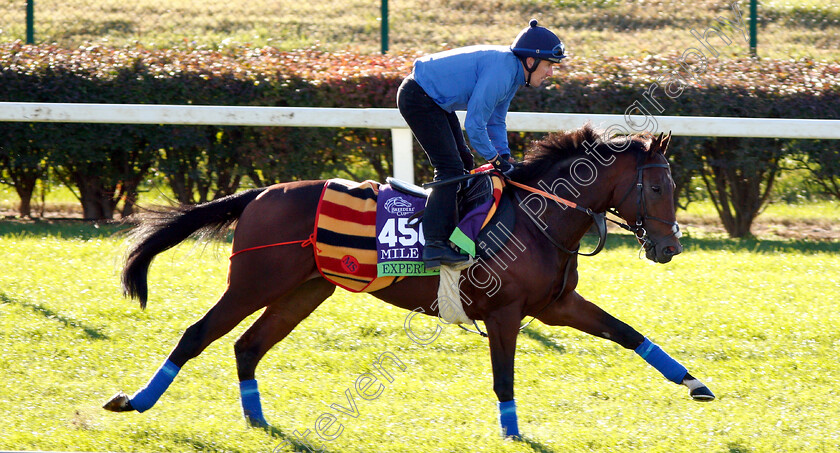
480 79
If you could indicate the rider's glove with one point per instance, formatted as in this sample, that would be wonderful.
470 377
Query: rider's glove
467 159
502 165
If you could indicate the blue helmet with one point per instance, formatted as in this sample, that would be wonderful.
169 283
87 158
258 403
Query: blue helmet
539 43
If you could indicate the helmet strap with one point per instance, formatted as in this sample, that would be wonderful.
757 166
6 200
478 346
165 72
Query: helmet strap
530 69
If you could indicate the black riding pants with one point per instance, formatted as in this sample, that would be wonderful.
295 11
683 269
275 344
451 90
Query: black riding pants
439 134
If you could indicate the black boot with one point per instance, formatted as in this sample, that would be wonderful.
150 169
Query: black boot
436 253
438 222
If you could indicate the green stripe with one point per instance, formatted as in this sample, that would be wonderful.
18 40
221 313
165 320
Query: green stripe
463 241
401 268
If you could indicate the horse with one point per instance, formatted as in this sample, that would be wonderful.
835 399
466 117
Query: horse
627 175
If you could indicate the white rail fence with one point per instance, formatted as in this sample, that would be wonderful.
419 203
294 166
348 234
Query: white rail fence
391 119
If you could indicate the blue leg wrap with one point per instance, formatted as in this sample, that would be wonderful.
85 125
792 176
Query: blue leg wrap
251 405
507 418
146 397
659 359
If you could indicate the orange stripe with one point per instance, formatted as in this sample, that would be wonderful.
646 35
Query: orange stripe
349 285
381 282
498 186
345 226
332 251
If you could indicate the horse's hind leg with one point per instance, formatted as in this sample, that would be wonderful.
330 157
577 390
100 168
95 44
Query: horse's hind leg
575 311
230 310
272 326
253 284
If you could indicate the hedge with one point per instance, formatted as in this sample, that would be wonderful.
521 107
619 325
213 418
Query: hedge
105 163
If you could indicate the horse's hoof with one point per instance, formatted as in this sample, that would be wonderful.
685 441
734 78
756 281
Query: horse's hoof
702 394
118 403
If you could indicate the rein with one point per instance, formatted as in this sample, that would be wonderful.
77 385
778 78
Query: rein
599 218
600 221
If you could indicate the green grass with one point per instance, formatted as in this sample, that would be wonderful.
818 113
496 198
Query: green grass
590 28
756 320
805 210
812 210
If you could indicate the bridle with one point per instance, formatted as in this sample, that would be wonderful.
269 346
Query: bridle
641 212
600 219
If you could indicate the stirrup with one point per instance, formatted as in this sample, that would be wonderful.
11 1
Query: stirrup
434 265
447 253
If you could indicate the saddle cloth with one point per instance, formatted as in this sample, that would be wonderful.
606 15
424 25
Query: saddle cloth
399 235
345 236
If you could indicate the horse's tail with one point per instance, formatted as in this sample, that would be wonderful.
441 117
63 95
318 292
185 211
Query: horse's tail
161 228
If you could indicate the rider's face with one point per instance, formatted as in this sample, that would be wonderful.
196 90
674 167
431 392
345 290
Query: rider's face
543 71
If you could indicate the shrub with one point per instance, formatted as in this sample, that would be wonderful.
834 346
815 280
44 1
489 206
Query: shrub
106 162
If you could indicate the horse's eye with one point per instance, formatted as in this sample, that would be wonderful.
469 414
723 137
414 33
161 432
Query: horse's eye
656 189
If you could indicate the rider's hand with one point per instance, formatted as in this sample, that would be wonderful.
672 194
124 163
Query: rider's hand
502 164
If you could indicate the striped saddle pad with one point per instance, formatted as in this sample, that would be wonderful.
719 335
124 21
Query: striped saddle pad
345 235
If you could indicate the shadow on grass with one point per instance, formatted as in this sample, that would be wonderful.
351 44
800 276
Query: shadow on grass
90 332
544 340
289 443
63 228
752 244
194 444
537 446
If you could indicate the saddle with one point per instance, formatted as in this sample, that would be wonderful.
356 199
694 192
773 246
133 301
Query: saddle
345 236
470 195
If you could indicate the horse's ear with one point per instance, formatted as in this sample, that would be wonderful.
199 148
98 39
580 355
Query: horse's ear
660 143
655 144
663 148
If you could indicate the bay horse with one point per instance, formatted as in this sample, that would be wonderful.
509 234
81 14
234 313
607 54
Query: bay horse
628 175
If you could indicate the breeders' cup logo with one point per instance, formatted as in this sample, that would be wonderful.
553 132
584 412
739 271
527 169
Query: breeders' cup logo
399 206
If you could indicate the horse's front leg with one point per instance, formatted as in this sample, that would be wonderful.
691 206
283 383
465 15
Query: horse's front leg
502 330
575 311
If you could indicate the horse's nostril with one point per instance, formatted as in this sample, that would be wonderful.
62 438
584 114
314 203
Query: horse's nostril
671 251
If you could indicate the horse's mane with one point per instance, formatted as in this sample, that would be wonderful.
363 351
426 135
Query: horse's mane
566 146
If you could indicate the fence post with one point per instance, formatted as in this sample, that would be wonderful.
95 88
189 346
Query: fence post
403 154
753 27
30 21
384 26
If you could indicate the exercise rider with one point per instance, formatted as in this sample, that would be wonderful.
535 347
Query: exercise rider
482 80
